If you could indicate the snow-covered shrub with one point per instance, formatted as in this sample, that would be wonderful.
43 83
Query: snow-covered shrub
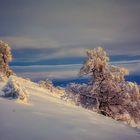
5 58
108 93
13 90
47 84
80 95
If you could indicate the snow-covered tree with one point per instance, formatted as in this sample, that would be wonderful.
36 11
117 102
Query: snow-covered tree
107 92
5 58
97 65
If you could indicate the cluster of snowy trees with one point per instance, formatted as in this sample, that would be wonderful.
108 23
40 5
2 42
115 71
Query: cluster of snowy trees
107 92
5 58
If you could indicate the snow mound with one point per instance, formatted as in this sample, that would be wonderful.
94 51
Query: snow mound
14 90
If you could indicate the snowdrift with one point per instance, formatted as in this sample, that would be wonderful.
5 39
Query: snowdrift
49 118
20 89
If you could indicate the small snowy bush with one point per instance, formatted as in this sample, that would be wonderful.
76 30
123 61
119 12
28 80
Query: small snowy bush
47 84
13 90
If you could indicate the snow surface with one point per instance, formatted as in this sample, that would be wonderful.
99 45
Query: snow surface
46 117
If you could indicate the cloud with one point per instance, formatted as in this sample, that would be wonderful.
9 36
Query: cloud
44 68
51 72
133 67
36 49
47 31
66 71
59 23
30 42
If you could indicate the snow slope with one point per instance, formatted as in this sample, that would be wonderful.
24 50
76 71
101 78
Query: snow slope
46 117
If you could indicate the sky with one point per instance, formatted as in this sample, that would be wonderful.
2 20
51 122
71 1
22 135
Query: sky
49 37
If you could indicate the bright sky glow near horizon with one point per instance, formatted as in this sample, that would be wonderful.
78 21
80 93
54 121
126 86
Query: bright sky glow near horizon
48 37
